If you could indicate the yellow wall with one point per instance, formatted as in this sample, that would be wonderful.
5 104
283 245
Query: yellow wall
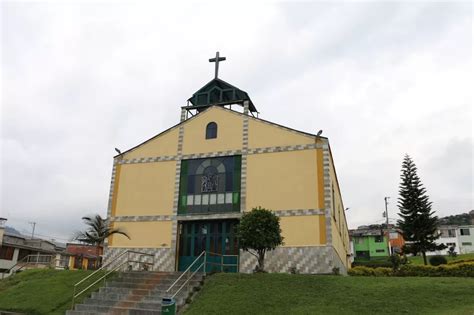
300 230
165 144
339 229
265 135
282 181
142 234
145 189
229 132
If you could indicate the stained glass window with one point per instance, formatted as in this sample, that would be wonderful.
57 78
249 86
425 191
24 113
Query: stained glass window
210 185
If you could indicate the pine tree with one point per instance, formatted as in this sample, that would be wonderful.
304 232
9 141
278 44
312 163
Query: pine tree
418 222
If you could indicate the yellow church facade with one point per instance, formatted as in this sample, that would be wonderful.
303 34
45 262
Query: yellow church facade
184 190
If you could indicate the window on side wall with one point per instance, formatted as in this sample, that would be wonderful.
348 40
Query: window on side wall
378 239
465 232
211 130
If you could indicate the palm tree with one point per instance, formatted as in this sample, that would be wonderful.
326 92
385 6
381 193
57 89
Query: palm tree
99 230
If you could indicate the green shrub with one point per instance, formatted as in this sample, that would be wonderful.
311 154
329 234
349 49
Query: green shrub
370 271
438 260
372 263
453 270
460 261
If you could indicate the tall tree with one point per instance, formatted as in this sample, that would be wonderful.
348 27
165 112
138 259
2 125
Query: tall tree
258 232
418 222
98 231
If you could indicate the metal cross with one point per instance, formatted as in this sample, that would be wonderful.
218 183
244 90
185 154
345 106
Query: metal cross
216 60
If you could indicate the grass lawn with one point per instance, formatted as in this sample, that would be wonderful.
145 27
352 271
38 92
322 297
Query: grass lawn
39 291
418 260
308 294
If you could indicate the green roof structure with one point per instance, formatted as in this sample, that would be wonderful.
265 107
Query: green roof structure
219 92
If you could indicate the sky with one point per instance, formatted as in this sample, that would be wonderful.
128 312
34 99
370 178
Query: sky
380 79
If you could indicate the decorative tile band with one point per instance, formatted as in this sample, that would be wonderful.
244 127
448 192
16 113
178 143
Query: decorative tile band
163 258
111 195
228 215
142 218
327 194
275 149
310 259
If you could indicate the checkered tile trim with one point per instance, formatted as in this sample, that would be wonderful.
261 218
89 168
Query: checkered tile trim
327 193
224 153
163 257
143 218
111 195
310 259
298 212
183 114
192 217
243 169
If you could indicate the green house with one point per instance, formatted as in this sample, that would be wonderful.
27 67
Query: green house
369 244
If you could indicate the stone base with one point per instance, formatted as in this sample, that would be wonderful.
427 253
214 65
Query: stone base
310 260
306 260
163 257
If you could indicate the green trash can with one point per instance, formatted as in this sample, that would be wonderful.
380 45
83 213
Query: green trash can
168 306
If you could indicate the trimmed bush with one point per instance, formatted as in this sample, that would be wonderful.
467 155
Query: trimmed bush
372 263
438 260
454 270
460 261
370 271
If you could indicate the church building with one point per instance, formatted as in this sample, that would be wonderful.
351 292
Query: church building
183 190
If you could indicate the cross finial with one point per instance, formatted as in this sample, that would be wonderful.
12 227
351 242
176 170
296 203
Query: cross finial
216 60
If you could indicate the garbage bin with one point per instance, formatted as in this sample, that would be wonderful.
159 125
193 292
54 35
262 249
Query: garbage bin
168 306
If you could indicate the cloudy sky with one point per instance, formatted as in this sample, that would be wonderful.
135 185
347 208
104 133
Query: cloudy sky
381 80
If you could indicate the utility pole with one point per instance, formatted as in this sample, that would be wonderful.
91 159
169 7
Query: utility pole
33 232
388 230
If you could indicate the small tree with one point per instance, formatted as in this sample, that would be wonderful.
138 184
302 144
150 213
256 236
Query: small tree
99 230
418 223
258 232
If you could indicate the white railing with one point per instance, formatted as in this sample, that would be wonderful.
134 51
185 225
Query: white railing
109 268
45 260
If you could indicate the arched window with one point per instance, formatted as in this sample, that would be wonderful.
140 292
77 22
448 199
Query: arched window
211 130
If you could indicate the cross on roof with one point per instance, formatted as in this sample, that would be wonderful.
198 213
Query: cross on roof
216 60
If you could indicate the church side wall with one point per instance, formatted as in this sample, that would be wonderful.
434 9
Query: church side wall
339 228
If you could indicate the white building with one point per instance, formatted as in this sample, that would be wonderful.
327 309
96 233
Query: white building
461 237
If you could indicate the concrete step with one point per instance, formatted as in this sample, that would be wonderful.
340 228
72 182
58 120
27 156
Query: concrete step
69 312
149 286
117 310
152 305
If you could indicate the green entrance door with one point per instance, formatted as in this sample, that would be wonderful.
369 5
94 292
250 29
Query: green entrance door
216 237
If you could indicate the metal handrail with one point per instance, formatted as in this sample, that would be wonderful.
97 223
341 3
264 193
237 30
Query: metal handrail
127 252
222 261
27 257
187 270
203 265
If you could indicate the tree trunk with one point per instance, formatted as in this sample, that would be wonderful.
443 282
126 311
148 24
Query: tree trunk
424 257
261 260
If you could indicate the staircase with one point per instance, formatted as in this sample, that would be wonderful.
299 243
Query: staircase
137 293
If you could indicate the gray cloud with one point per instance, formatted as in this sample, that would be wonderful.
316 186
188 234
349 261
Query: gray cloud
382 80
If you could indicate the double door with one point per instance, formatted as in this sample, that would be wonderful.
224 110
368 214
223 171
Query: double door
216 237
